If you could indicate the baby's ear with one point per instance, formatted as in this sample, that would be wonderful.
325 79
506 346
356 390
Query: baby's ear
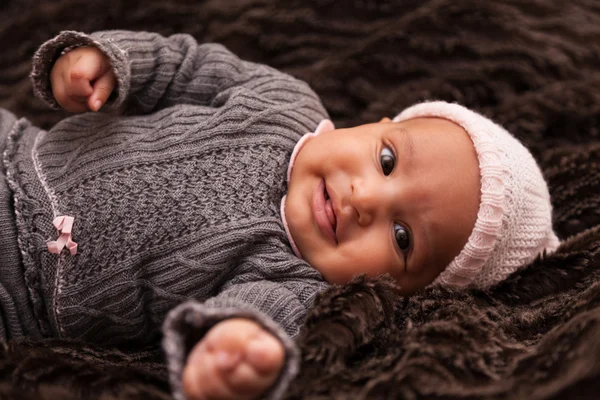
385 119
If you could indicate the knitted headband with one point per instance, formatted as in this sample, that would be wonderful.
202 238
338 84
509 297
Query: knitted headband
514 221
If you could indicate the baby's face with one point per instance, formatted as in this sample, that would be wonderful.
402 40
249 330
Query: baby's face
389 197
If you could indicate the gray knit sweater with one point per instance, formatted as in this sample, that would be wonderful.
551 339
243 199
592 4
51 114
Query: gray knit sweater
175 194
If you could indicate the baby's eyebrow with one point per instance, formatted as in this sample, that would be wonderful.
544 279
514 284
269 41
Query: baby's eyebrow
425 241
408 146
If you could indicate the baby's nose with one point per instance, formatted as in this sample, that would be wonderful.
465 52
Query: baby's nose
365 200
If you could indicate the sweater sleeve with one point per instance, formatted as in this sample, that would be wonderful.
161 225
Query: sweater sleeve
155 72
280 308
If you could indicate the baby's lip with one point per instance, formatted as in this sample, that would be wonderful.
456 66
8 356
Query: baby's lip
329 208
333 198
319 213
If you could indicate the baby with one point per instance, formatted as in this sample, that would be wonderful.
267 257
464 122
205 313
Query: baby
199 195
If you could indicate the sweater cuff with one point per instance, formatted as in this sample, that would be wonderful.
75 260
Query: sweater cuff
187 324
49 52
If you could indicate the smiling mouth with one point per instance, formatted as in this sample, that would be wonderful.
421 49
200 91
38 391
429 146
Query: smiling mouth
329 209
323 213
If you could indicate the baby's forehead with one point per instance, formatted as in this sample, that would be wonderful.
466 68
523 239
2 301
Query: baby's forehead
424 121
434 128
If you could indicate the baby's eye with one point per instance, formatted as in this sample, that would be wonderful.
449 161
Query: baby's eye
402 237
387 160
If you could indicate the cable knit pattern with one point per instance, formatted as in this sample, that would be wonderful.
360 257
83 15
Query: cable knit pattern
514 221
179 203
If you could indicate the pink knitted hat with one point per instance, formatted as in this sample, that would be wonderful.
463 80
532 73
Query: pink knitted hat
514 221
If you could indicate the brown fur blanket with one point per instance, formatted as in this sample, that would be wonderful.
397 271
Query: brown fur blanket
533 66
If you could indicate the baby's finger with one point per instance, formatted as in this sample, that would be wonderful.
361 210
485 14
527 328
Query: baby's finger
266 354
103 87
80 99
79 87
246 382
90 66
66 101
202 380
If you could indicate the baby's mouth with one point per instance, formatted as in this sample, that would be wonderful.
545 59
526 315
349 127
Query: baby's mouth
323 214
329 209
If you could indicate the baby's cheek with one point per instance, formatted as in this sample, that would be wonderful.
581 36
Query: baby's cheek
353 261
372 264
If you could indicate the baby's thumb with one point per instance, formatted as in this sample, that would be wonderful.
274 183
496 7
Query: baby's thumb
103 87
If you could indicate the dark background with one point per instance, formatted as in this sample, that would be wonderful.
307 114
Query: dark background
532 66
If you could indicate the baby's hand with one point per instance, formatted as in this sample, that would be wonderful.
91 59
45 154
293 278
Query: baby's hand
237 359
82 80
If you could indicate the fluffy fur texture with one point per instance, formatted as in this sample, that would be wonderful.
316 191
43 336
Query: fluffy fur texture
533 67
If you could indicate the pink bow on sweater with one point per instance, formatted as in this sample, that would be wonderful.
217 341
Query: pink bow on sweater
64 224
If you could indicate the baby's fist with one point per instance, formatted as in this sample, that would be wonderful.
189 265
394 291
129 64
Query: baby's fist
82 79
237 359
